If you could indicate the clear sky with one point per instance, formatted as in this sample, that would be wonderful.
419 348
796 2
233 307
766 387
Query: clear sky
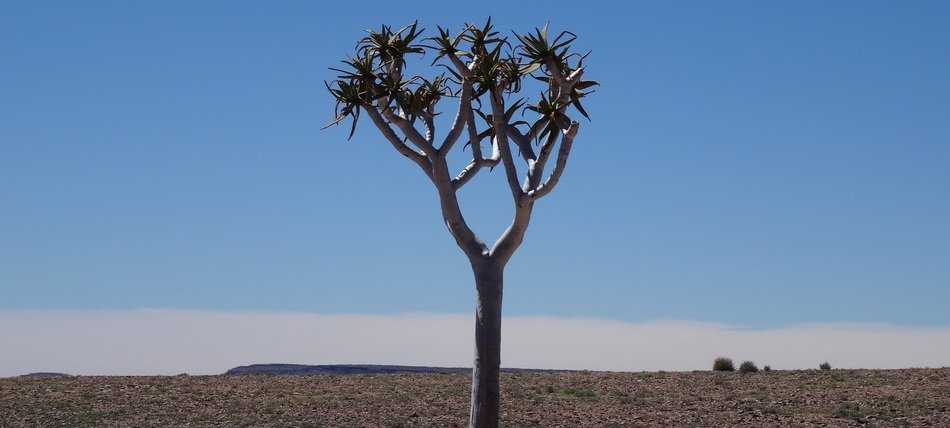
756 164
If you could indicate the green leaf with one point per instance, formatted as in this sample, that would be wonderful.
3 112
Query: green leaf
335 121
584 84
577 104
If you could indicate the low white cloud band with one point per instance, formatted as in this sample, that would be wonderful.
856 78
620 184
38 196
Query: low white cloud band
167 342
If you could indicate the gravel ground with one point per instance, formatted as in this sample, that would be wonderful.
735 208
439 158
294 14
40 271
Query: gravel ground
810 398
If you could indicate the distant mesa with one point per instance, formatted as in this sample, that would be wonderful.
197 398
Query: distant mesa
46 374
337 369
348 369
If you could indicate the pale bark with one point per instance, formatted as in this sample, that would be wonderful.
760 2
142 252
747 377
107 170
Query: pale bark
409 131
467 240
478 161
417 157
523 143
567 141
461 118
501 141
486 388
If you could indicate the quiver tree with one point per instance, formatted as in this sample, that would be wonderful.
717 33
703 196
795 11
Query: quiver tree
486 73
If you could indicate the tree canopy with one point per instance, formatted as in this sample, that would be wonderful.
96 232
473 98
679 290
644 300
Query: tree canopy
487 72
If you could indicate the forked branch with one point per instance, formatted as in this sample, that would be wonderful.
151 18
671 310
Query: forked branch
484 72
567 141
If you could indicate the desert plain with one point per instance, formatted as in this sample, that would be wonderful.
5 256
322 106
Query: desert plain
778 398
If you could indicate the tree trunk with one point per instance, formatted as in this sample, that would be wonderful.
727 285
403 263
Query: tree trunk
486 394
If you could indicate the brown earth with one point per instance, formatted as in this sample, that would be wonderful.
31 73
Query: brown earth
828 398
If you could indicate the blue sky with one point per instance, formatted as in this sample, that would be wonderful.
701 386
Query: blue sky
760 164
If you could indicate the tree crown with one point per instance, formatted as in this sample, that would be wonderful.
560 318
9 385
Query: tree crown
485 72
477 54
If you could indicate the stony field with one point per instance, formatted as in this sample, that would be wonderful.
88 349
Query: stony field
809 398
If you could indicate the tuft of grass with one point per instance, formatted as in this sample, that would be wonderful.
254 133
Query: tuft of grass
723 364
825 366
581 393
850 411
748 367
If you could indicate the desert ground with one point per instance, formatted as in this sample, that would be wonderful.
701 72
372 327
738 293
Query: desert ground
802 398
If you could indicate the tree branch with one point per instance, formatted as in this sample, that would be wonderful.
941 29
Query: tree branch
478 162
464 70
407 129
429 125
563 84
500 126
511 239
452 214
536 170
465 109
523 143
474 137
419 158
563 153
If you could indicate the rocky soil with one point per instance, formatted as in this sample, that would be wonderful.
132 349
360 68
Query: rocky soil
811 398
